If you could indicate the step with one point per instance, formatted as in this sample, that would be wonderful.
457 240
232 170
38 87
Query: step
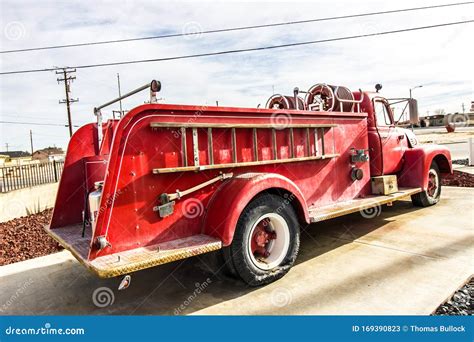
317 214
133 260
144 257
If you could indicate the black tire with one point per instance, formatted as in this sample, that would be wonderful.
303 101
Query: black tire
424 199
237 255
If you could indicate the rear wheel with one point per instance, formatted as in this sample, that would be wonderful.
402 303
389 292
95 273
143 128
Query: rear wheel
266 241
432 194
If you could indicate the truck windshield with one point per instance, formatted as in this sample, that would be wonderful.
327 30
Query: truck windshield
381 114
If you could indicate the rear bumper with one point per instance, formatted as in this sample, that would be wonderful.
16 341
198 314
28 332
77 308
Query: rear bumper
133 260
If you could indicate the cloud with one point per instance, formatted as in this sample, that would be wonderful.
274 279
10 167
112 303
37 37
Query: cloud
438 58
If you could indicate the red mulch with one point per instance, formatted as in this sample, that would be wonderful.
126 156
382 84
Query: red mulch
461 179
24 238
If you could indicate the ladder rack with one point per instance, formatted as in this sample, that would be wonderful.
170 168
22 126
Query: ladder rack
316 130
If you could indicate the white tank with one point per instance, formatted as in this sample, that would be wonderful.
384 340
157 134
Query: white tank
94 204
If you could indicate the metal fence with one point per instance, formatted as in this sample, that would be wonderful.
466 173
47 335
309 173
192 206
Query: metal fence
24 176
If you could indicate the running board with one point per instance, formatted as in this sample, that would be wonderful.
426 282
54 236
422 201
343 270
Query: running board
133 260
317 214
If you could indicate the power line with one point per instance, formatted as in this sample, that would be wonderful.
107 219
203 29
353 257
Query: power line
174 35
226 52
34 123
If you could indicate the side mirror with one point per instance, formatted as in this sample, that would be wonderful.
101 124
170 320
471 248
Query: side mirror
413 108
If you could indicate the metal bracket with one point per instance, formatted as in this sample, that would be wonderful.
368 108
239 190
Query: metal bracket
165 209
167 200
101 242
359 156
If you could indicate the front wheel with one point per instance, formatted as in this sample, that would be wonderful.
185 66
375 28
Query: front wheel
266 240
432 194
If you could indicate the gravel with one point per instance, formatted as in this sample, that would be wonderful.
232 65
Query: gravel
24 238
461 303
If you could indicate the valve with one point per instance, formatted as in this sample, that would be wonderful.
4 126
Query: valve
359 156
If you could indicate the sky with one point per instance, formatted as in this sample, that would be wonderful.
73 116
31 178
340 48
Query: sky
440 59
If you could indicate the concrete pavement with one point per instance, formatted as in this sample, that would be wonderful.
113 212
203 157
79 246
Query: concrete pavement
405 261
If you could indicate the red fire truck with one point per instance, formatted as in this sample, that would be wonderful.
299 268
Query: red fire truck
167 182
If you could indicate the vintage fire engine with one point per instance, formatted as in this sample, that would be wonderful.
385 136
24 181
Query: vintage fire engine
167 182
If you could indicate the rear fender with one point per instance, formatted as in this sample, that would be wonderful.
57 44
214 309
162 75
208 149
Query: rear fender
231 198
418 161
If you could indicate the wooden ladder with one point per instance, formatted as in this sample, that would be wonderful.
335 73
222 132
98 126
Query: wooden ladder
317 130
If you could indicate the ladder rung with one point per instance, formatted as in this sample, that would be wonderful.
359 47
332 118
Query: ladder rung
292 143
195 146
184 149
274 144
322 142
255 143
308 142
210 146
234 146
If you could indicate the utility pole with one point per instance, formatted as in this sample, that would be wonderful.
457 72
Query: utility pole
6 145
463 108
67 79
120 95
31 142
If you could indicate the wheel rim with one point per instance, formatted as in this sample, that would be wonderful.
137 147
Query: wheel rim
433 184
269 241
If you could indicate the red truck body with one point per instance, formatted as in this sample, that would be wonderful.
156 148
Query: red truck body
303 156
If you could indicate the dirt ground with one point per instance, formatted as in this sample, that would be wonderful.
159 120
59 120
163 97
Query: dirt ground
24 238
443 137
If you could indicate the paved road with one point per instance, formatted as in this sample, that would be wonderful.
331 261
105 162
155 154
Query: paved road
405 261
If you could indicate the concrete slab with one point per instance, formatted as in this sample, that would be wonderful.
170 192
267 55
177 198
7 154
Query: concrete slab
404 261
464 168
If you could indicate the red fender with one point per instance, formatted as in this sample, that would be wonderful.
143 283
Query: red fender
71 189
418 161
231 198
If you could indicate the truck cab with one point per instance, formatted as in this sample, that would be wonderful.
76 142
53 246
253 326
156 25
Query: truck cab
166 182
